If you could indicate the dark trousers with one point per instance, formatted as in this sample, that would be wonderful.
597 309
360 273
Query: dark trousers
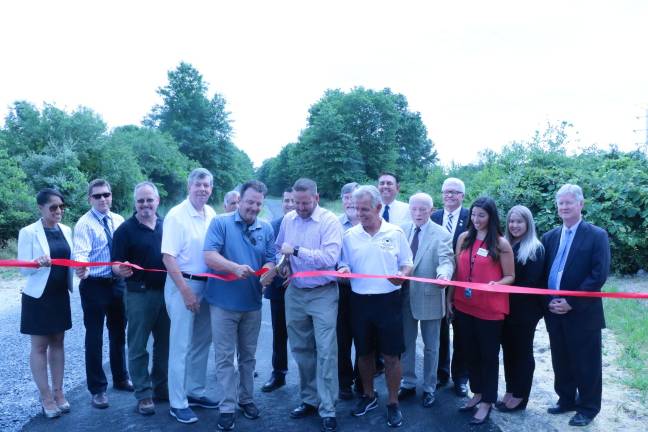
577 363
279 336
344 336
102 299
147 314
519 364
481 340
458 367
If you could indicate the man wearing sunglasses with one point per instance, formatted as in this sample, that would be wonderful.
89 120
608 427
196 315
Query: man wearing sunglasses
238 244
101 293
139 241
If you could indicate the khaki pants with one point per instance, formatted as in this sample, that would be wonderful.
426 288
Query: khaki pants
311 317
235 332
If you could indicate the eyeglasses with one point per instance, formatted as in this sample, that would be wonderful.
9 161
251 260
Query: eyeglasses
98 196
451 192
147 201
55 207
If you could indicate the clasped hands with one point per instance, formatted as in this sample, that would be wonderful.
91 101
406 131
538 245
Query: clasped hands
559 306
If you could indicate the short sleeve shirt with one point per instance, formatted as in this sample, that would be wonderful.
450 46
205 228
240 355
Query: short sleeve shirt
241 243
183 236
384 253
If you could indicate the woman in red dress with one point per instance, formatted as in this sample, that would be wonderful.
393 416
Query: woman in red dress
483 256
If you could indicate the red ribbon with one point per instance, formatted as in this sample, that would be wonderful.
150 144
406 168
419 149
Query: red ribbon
509 289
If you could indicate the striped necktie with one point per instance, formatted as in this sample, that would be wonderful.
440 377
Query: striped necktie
449 223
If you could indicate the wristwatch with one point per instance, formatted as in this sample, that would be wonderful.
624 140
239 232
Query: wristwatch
295 250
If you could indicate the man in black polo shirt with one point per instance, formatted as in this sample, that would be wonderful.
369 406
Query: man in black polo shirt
139 241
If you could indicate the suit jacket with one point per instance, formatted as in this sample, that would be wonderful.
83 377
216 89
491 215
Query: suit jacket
586 269
275 291
32 243
462 226
434 257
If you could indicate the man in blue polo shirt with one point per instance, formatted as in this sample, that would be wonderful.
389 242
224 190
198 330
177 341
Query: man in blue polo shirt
238 243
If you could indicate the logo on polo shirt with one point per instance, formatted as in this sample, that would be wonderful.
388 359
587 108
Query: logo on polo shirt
386 244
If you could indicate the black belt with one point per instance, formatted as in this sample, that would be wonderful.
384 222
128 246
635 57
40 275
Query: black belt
192 277
108 279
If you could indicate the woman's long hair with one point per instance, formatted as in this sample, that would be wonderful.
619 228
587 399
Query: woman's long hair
530 246
494 230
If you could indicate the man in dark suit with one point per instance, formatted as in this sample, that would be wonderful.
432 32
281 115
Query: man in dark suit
454 218
578 259
275 293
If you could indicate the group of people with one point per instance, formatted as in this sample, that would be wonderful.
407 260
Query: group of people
320 317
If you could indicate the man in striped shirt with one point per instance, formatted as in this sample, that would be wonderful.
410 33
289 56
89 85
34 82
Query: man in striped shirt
101 293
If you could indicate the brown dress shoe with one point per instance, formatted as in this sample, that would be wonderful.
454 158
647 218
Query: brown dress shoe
100 400
125 385
146 407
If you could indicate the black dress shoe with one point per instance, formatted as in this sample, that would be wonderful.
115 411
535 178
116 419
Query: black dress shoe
406 393
560 409
475 421
329 424
125 385
501 406
428 399
275 381
580 420
461 389
303 410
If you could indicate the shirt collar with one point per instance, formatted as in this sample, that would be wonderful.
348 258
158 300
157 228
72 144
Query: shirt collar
100 215
573 227
251 227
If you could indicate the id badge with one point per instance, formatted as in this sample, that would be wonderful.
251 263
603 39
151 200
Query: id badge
482 252
468 292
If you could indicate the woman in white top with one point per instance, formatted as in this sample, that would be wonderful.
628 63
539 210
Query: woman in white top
45 299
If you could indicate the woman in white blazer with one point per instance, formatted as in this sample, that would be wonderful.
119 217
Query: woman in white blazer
45 299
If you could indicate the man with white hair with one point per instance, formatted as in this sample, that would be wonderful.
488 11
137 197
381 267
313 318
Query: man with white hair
231 201
431 247
379 248
578 259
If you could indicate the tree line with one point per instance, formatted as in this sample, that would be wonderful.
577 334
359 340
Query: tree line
49 147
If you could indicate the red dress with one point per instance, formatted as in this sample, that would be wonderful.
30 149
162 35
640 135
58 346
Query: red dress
480 304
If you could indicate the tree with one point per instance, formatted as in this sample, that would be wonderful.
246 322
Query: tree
200 125
18 204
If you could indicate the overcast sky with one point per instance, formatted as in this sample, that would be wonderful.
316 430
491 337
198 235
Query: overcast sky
481 73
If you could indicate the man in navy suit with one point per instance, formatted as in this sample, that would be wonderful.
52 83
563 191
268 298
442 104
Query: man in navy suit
578 259
454 218
275 293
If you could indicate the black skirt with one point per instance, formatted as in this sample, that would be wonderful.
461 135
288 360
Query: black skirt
50 314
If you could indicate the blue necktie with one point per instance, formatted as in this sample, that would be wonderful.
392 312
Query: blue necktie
386 213
559 262
106 228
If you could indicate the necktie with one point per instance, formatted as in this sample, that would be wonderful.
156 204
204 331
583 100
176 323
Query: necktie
415 242
106 228
386 213
449 223
559 262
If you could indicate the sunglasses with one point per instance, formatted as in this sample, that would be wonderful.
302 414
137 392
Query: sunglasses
147 201
98 196
55 207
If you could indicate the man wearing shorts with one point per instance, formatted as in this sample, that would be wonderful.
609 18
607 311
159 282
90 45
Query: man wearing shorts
379 248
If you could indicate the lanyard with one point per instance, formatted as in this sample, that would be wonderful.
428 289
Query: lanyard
473 257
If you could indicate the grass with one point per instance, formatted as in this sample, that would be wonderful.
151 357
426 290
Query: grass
9 251
628 319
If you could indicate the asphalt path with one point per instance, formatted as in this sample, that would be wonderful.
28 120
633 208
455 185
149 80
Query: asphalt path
19 408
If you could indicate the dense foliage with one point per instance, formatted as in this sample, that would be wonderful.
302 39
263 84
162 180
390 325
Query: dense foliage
615 186
54 148
354 136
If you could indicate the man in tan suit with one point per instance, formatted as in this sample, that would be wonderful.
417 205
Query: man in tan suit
433 258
